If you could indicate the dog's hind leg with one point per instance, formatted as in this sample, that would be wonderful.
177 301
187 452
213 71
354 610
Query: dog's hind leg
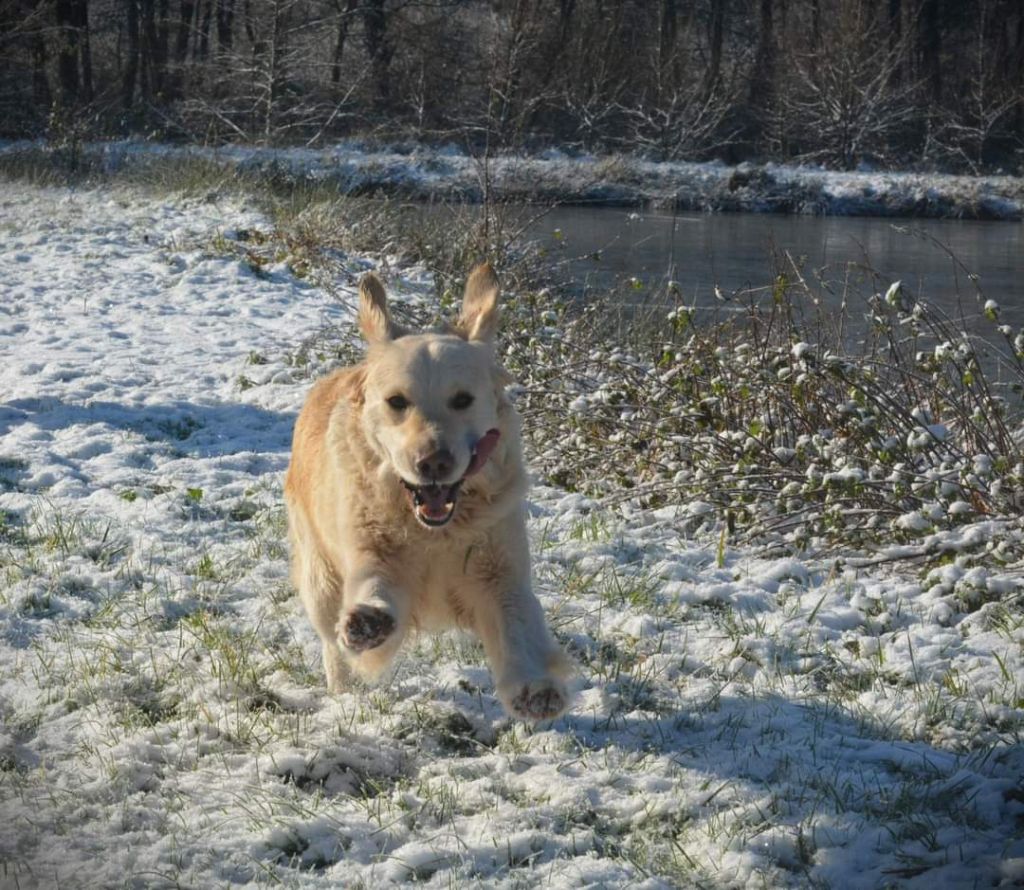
323 603
320 590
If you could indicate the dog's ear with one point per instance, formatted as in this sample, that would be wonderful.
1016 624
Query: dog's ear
479 318
374 319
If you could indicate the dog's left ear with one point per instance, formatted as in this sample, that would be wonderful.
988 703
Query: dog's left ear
479 317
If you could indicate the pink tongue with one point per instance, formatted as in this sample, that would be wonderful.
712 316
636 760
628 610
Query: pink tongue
435 500
484 447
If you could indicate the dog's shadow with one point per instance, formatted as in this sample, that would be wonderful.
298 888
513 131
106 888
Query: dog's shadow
752 741
736 746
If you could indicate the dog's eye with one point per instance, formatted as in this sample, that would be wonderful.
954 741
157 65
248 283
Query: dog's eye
461 401
399 403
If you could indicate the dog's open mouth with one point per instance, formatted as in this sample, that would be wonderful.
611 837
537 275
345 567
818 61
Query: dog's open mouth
434 505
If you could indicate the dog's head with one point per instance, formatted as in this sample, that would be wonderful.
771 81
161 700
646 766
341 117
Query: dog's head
430 401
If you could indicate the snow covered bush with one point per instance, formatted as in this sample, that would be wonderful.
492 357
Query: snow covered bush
787 429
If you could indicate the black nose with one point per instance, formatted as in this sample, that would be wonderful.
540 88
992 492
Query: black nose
438 465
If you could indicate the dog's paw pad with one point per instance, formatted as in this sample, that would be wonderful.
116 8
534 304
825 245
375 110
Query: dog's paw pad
540 700
366 627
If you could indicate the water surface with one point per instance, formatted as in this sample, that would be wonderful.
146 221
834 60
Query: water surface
594 247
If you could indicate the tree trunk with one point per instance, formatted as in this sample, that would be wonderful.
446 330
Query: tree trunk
762 84
204 30
1019 48
274 73
250 23
151 62
344 22
186 14
131 68
378 47
42 97
67 51
667 29
178 53
566 8
715 38
225 23
930 47
1016 66
163 33
895 36
80 19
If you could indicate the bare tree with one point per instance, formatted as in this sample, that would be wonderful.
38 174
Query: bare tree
687 123
964 131
378 45
843 101
346 10
762 88
74 58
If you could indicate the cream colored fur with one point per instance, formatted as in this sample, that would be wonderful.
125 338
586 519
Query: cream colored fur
366 569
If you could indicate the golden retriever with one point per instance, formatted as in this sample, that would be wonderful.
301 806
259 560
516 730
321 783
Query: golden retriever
405 504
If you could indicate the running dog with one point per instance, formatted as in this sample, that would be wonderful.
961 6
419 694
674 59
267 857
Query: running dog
405 504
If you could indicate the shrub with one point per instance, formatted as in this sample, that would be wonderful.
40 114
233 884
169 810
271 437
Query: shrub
782 425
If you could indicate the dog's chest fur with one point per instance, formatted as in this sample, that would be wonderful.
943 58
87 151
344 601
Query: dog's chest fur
434 565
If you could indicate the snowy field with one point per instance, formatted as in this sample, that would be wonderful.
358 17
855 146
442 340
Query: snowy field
738 721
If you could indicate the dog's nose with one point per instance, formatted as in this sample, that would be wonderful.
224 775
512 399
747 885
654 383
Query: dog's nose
437 465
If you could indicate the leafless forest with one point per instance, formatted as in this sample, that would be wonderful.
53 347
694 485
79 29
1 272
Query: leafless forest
919 83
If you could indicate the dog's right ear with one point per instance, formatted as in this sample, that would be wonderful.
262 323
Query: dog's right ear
374 319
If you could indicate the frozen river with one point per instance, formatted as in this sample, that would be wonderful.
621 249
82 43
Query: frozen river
594 247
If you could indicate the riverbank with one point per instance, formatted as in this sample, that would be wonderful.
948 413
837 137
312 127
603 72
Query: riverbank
420 173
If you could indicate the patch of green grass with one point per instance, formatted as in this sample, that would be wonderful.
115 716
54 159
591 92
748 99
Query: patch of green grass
243 511
67 533
179 429
12 530
205 569
592 527
10 469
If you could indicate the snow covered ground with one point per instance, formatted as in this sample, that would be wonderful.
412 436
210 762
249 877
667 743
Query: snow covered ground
426 173
738 721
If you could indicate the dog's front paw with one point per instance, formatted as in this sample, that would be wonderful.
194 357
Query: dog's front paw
366 627
538 700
